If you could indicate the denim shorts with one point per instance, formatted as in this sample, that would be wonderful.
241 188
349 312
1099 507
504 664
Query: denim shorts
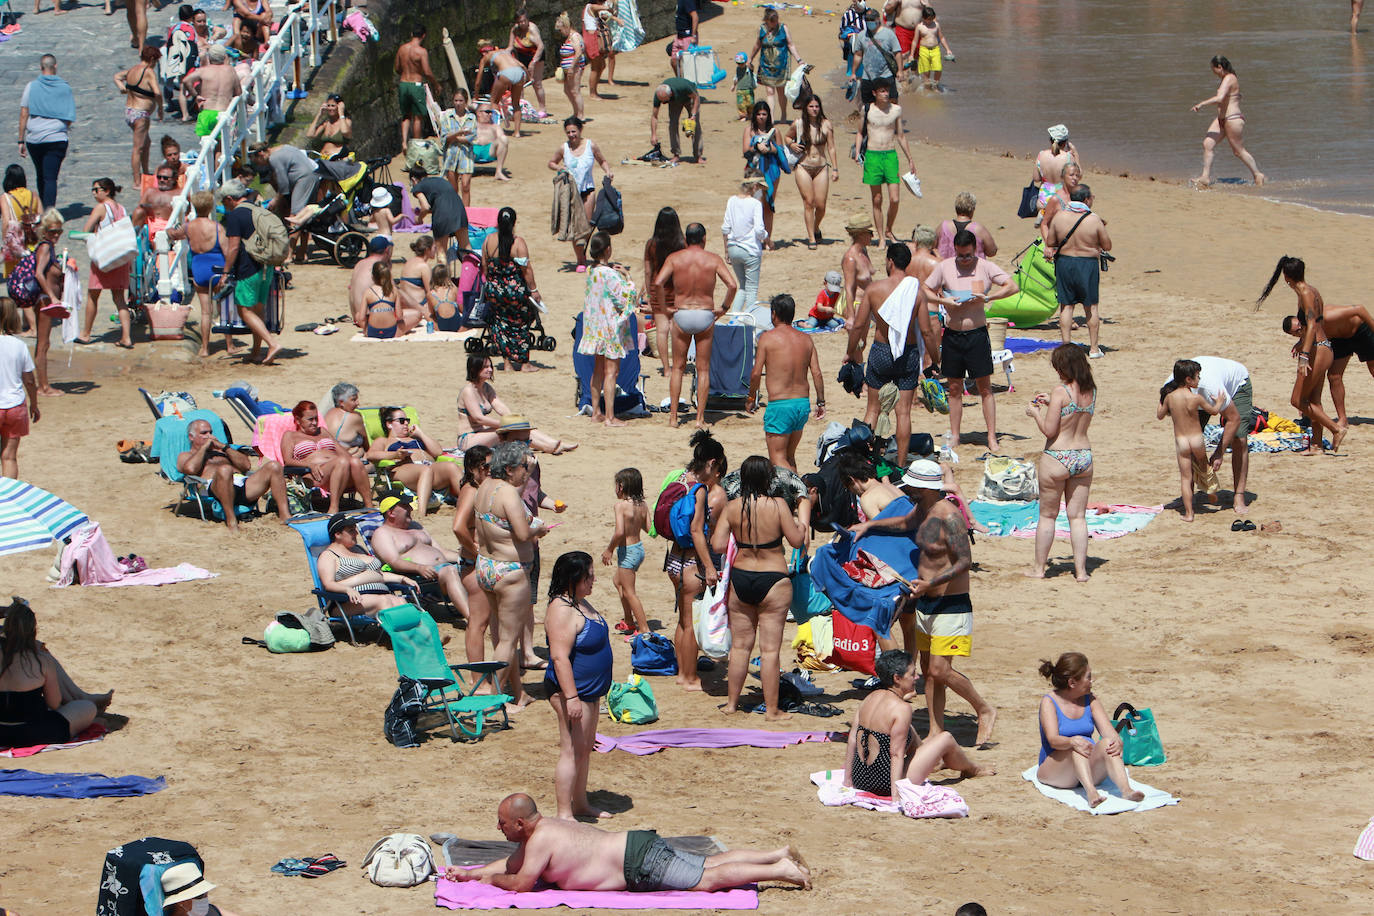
630 556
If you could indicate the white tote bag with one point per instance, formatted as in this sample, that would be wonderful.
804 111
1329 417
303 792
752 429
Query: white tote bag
113 245
711 621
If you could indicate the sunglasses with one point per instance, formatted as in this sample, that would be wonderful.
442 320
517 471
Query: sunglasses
402 419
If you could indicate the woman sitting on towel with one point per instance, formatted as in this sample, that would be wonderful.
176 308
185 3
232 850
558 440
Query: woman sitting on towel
330 465
344 422
420 463
760 589
481 410
883 745
1068 755
346 567
39 703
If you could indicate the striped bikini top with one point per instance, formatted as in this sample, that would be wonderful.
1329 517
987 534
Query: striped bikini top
310 446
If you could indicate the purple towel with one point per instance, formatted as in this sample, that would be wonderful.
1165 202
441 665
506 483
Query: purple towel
75 785
655 740
474 895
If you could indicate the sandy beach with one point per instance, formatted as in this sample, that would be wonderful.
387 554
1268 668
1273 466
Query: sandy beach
1251 648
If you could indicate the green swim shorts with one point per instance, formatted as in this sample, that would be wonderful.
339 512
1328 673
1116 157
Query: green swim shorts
252 291
206 121
880 167
782 418
412 99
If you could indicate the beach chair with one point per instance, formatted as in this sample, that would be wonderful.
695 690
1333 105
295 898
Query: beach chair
430 593
419 655
382 481
170 439
246 404
732 363
629 399
314 532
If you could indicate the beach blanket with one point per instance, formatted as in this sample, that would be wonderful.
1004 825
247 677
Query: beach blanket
823 329
1266 441
456 850
1019 519
182 572
914 801
655 740
1029 344
76 785
1115 804
872 607
1364 846
474 895
95 732
420 335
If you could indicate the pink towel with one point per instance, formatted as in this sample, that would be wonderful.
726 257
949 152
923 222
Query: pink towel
89 555
183 572
268 432
1364 847
474 895
93 733
655 740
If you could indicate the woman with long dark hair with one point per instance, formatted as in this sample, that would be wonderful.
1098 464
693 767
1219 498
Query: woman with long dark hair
691 566
1066 465
481 412
813 142
578 676
476 466
1314 352
510 292
760 588
763 143
1228 123
666 239
39 703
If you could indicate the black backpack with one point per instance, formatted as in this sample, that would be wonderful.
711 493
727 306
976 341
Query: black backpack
398 722
609 213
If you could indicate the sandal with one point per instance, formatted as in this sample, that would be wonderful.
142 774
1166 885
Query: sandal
323 865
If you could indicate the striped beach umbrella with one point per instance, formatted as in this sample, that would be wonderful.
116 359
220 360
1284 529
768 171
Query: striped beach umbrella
32 518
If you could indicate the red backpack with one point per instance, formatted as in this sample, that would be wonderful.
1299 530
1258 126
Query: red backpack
667 498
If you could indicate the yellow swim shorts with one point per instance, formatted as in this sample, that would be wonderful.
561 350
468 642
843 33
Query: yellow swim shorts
944 624
928 60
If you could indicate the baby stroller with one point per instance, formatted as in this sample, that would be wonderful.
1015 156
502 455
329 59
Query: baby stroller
484 344
274 314
328 232
359 199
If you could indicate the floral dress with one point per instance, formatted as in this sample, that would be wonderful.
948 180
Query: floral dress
606 313
510 312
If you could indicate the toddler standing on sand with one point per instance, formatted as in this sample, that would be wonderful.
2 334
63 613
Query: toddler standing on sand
631 517
1180 401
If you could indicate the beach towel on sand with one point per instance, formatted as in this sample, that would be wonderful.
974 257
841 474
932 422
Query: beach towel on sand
76 785
95 732
474 895
1020 519
654 740
1364 846
914 801
1115 804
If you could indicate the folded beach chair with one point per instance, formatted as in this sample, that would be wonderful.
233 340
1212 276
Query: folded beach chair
420 655
314 532
732 362
248 407
170 439
629 398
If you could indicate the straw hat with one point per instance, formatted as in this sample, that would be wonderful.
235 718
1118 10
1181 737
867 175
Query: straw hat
184 882
862 222
513 422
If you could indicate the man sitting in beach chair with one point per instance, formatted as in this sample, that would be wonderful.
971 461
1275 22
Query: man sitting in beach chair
217 463
405 546
491 143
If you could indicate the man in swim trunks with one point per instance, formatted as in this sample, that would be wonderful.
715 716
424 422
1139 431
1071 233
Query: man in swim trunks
928 65
905 18
219 463
412 69
964 285
408 549
938 613
693 272
1074 240
491 143
786 354
885 134
580 857
155 204
214 84
252 281
687 31
1351 332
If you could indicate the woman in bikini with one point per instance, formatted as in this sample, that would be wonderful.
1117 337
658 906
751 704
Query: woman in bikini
855 264
413 285
1228 123
813 141
346 567
509 79
416 458
107 212
1066 465
476 466
1050 164
694 567
760 587
528 47
1314 352
343 421
666 239
330 466
1069 758
480 411
505 541
143 94
884 747
332 130
572 58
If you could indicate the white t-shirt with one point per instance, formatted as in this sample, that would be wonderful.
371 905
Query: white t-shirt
15 360
1219 375
743 224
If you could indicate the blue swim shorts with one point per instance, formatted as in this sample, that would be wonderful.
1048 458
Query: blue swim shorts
781 418
630 556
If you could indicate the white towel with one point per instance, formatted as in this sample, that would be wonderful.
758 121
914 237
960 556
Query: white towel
923 801
896 311
1115 804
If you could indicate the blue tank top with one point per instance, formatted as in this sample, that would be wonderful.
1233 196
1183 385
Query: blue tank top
1068 728
591 660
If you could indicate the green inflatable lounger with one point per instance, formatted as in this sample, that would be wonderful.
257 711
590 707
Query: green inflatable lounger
1036 301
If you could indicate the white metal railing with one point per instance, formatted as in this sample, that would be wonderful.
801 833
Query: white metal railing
298 39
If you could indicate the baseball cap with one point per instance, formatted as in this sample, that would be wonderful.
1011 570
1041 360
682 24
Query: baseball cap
378 244
741 58
924 474
834 281
391 502
339 521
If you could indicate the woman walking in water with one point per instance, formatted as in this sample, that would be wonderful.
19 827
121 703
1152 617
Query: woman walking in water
1229 123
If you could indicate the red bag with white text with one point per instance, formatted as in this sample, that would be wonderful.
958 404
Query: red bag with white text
855 644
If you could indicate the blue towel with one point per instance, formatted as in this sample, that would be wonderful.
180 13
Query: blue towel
1004 518
873 607
1029 344
170 439
76 785
51 97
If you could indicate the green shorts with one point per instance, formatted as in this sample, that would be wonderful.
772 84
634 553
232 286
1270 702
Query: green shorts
252 291
782 418
880 167
411 96
206 121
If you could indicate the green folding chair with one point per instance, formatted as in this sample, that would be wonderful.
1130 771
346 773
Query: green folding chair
419 655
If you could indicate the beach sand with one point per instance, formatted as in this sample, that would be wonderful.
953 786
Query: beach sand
1251 649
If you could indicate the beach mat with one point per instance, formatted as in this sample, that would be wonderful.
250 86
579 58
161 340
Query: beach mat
655 740
1020 519
93 733
76 785
1029 344
459 851
475 895
1115 804
419 336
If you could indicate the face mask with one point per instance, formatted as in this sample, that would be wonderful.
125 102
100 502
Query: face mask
871 26
200 906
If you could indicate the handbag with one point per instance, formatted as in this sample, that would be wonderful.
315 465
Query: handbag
1140 744
855 644
807 600
113 245
632 702
653 654
1009 479
1030 199
711 620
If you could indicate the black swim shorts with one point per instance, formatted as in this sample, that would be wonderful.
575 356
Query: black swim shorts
966 354
882 368
1075 280
1360 344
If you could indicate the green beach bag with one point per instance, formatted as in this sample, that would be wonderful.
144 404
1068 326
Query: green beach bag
1140 744
632 702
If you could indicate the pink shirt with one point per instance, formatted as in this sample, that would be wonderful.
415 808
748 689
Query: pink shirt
947 277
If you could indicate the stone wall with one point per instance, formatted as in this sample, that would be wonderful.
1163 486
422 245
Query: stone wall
363 74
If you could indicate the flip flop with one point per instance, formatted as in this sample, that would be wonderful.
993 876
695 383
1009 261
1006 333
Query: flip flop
323 865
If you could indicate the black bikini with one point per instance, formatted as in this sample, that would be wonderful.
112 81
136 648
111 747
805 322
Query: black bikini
752 586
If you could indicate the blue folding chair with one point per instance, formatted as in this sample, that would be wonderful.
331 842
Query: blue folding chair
248 407
629 399
170 439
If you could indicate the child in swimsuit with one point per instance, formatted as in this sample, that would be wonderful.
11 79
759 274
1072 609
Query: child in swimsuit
1180 401
631 515
443 300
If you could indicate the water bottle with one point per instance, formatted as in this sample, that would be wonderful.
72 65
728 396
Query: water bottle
429 327
945 451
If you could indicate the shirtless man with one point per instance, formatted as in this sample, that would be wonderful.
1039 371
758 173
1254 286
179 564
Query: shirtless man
905 18
786 354
924 260
212 459
580 857
491 142
155 204
1074 239
693 272
405 546
378 249
943 615
900 361
885 134
932 39
856 474
1351 332
213 84
412 70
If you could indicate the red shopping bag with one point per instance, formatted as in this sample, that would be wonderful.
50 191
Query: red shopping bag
855 644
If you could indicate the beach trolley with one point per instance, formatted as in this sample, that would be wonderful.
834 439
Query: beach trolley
274 315
700 67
